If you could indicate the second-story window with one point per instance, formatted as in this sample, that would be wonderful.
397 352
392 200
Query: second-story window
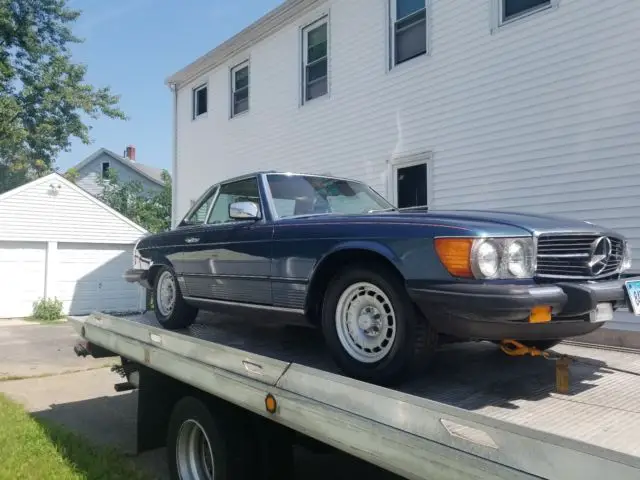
409 29
240 89
199 101
512 9
316 60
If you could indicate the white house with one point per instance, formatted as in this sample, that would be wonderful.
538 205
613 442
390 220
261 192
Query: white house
96 166
530 105
56 240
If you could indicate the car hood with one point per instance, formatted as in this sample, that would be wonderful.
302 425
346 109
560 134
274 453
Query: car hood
485 221
531 222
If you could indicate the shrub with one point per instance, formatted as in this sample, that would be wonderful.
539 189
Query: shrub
47 309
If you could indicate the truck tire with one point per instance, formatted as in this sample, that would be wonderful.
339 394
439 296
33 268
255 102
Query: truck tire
198 441
172 312
372 328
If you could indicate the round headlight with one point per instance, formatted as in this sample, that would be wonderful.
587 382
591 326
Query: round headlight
517 261
487 259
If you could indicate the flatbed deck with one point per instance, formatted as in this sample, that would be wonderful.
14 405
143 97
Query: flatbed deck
493 407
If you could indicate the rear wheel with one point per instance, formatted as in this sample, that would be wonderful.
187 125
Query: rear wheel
172 312
372 327
203 447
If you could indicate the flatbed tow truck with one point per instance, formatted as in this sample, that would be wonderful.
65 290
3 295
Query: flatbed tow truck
256 390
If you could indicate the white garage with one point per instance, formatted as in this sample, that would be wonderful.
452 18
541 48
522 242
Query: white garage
58 241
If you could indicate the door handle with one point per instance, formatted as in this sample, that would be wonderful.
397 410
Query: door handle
192 239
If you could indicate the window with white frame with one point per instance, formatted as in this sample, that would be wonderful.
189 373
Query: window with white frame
239 89
316 60
512 9
409 29
199 101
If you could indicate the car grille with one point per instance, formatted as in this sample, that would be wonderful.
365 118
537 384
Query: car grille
568 256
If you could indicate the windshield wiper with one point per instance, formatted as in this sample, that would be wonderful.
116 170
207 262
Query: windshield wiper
390 209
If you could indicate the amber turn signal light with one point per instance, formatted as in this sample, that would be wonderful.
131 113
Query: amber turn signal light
455 255
270 403
540 314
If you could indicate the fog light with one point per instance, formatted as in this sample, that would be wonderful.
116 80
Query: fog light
540 314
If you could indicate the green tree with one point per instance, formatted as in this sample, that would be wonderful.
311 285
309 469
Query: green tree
151 210
44 100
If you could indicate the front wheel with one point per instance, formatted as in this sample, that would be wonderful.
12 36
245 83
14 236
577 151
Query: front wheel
172 312
372 327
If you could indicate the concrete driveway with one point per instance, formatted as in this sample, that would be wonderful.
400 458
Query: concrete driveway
78 393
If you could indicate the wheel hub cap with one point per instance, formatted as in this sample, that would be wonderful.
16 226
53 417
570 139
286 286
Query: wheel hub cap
365 322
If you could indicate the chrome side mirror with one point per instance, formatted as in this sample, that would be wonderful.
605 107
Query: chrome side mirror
244 211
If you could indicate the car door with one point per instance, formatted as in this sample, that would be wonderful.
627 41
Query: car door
228 259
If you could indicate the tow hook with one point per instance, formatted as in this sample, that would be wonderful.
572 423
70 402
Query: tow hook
514 348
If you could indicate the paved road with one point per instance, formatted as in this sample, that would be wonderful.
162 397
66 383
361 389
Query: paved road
85 401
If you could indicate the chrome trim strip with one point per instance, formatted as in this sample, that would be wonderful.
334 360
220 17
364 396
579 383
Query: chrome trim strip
298 311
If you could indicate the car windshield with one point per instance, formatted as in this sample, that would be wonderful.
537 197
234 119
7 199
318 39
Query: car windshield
312 195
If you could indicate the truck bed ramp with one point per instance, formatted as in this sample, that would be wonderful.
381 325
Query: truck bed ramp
476 414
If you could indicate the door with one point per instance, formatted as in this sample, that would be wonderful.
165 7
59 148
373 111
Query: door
226 259
411 182
22 277
88 278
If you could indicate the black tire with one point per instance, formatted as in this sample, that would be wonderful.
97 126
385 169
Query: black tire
415 341
231 445
182 314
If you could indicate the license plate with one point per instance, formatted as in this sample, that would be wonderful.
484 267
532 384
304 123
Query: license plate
603 313
633 289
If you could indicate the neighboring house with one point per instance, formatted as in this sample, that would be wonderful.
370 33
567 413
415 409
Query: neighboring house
529 105
96 165
57 240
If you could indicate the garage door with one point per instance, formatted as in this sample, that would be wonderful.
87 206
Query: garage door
89 278
22 275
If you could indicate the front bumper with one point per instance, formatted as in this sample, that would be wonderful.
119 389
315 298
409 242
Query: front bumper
497 311
135 275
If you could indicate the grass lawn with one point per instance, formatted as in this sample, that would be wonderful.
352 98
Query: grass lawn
34 449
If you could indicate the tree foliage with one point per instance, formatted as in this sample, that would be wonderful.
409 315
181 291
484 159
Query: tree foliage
44 100
151 210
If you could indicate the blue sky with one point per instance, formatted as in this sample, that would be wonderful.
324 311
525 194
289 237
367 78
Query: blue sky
133 46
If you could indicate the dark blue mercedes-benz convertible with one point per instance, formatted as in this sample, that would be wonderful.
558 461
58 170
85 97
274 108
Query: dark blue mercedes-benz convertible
383 284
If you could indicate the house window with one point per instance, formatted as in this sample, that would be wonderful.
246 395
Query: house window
105 169
239 89
316 60
512 9
199 101
409 35
410 180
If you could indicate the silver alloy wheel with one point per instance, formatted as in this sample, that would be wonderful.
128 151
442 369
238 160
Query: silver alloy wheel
166 287
365 322
194 456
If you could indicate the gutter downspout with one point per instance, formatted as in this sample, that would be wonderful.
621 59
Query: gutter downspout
174 160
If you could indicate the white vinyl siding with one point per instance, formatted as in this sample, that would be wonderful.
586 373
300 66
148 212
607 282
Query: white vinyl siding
542 117
45 213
